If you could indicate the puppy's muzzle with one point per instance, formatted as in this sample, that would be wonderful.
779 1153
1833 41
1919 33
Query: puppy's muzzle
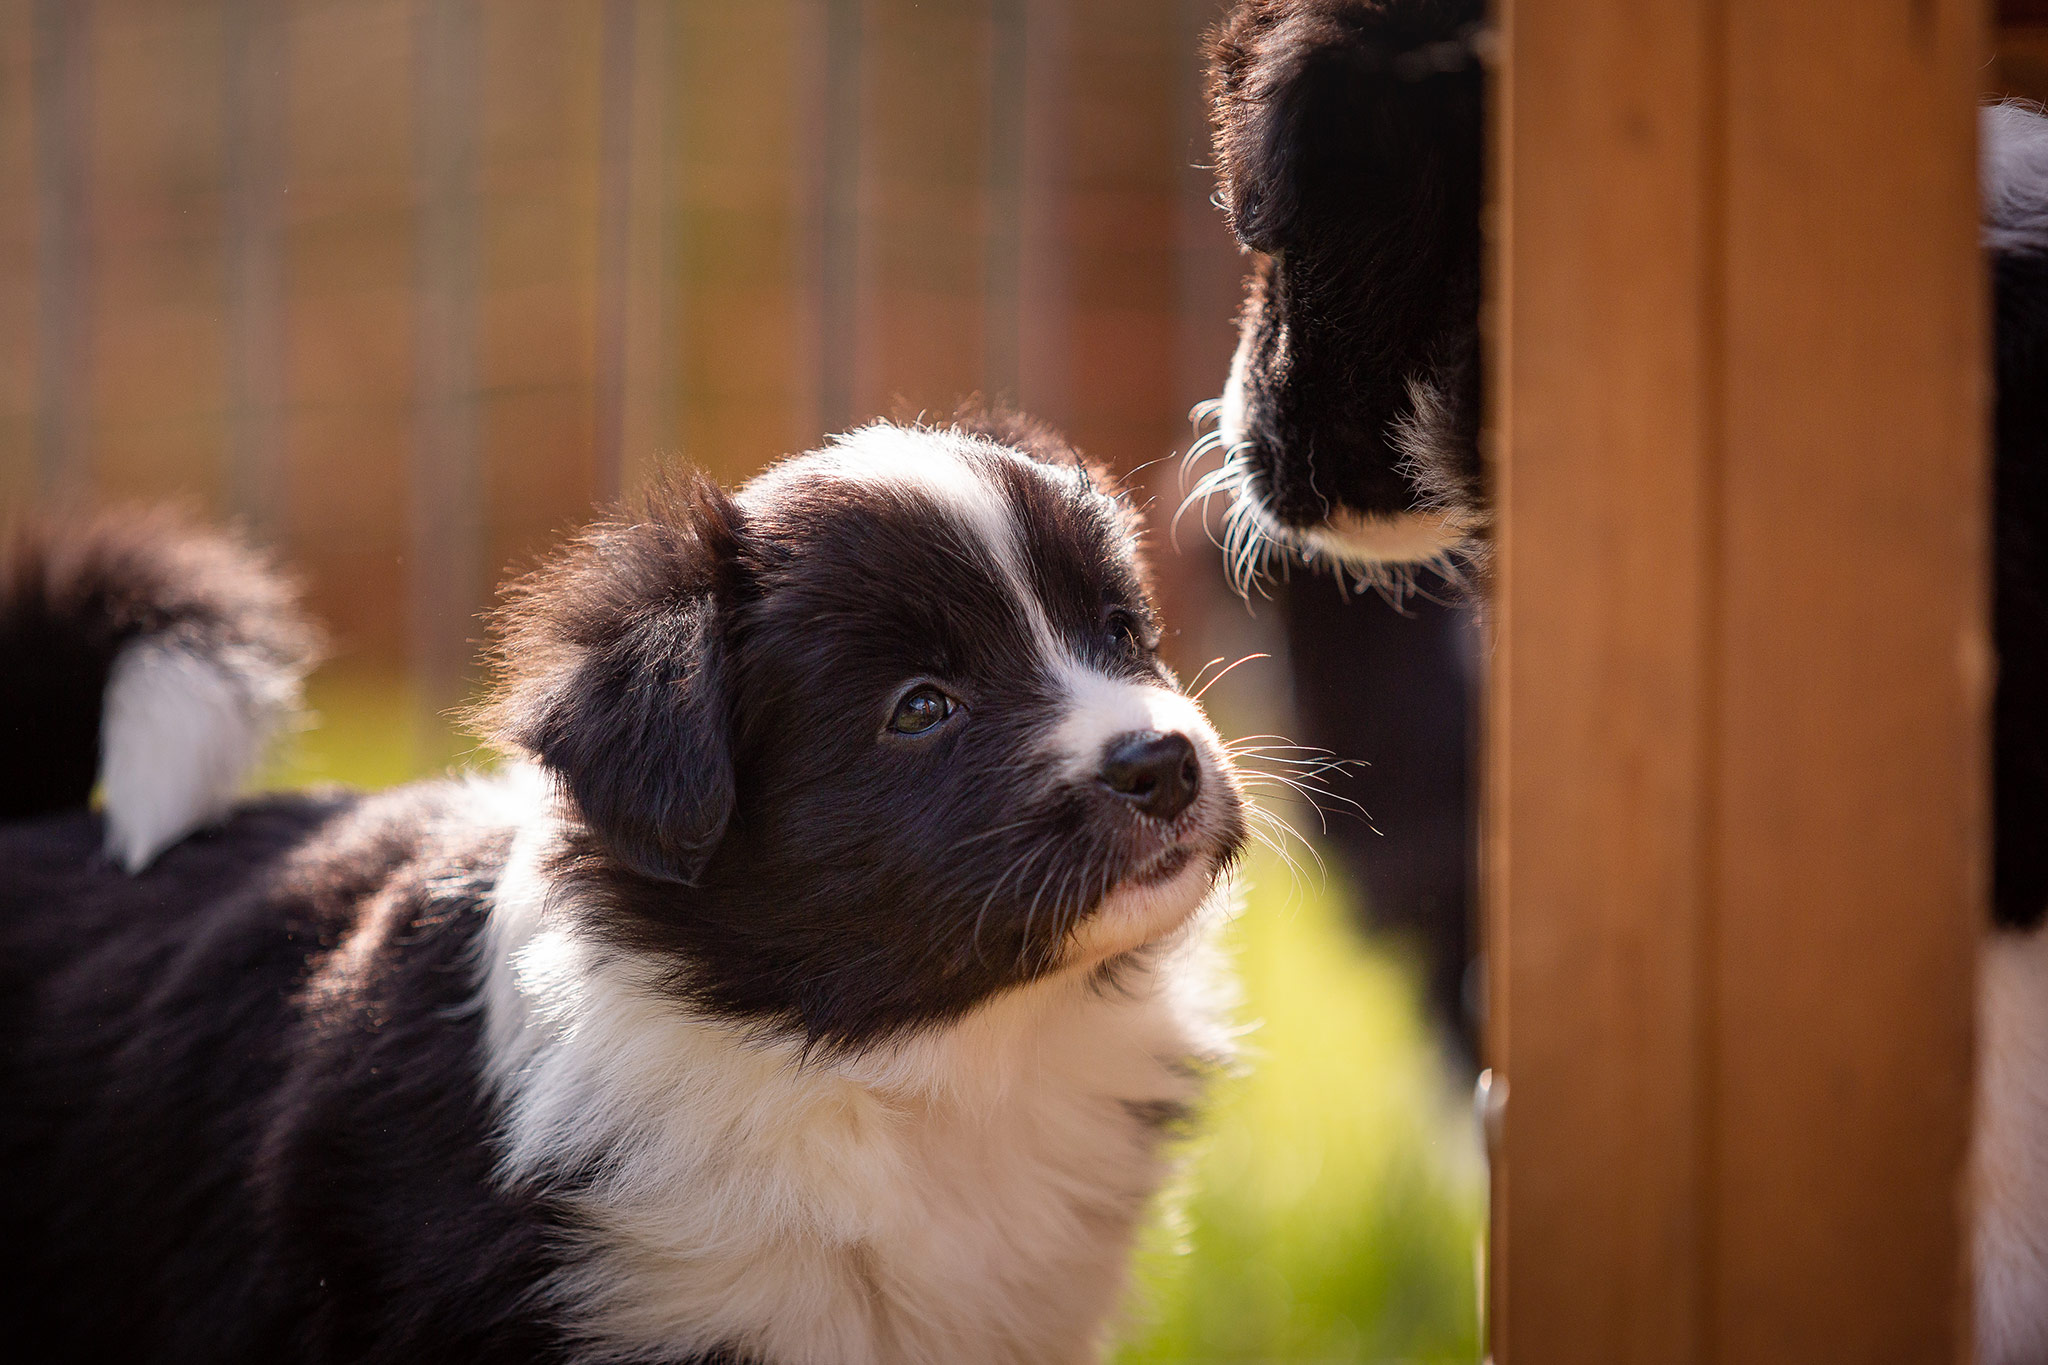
1157 772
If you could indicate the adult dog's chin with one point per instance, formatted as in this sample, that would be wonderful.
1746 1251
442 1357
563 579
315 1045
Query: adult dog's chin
1376 548
1151 904
1363 540
1371 548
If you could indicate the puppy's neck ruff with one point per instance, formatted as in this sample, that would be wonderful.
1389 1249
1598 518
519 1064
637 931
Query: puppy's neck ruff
967 1192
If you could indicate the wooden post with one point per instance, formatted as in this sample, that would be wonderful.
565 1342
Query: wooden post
63 109
1737 783
256 167
447 527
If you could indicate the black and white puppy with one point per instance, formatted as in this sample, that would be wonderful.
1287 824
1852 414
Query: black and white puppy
1349 144
821 984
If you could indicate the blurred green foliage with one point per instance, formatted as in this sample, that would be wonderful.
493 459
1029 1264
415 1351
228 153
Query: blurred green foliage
1335 1194
1333 1197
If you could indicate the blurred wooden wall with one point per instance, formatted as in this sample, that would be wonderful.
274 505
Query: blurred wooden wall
2021 66
407 284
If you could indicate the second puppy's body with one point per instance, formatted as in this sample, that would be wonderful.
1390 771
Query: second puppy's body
817 989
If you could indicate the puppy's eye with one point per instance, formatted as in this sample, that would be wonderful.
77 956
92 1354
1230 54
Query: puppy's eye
1124 629
921 709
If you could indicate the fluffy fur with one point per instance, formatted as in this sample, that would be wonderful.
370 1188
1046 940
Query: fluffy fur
813 986
156 665
1347 138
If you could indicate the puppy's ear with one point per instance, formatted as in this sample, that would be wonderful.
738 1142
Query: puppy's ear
611 672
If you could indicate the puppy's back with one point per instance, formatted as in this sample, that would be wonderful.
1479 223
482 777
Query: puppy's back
239 1097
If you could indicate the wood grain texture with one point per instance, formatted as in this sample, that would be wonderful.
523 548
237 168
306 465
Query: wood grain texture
1599 751
1850 783
1737 785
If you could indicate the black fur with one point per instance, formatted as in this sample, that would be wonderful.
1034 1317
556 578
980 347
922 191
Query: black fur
2020 567
1348 147
620 661
1394 686
242 1120
1348 140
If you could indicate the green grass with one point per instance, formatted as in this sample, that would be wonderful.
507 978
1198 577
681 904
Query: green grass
367 730
1334 1194
1333 1203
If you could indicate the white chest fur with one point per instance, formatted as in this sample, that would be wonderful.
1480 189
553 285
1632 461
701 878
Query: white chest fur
970 1194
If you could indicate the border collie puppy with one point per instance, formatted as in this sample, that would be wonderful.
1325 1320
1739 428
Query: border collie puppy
1348 141
821 983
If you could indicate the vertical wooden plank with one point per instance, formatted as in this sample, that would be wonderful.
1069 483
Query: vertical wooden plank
256 36
349 271
1602 446
839 136
1124 158
446 512
64 297
924 211
1209 269
1010 57
635 388
751 115
619 73
159 349
20 478
656 331
1736 789
542 326
1044 286
1850 810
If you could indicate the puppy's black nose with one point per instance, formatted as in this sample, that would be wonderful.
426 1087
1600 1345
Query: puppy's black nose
1157 773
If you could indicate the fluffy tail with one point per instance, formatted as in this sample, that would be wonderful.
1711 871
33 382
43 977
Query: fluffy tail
146 657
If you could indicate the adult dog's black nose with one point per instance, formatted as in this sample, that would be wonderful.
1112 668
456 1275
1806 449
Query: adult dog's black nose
1157 773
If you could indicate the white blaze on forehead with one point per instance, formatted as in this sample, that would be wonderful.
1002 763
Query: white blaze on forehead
958 474
950 470
1101 707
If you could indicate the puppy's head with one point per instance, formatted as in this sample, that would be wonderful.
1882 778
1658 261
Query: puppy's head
873 740
1347 136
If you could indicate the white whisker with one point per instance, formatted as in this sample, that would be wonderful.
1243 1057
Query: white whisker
1226 672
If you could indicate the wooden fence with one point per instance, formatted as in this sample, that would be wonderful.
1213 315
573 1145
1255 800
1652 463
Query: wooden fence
405 284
